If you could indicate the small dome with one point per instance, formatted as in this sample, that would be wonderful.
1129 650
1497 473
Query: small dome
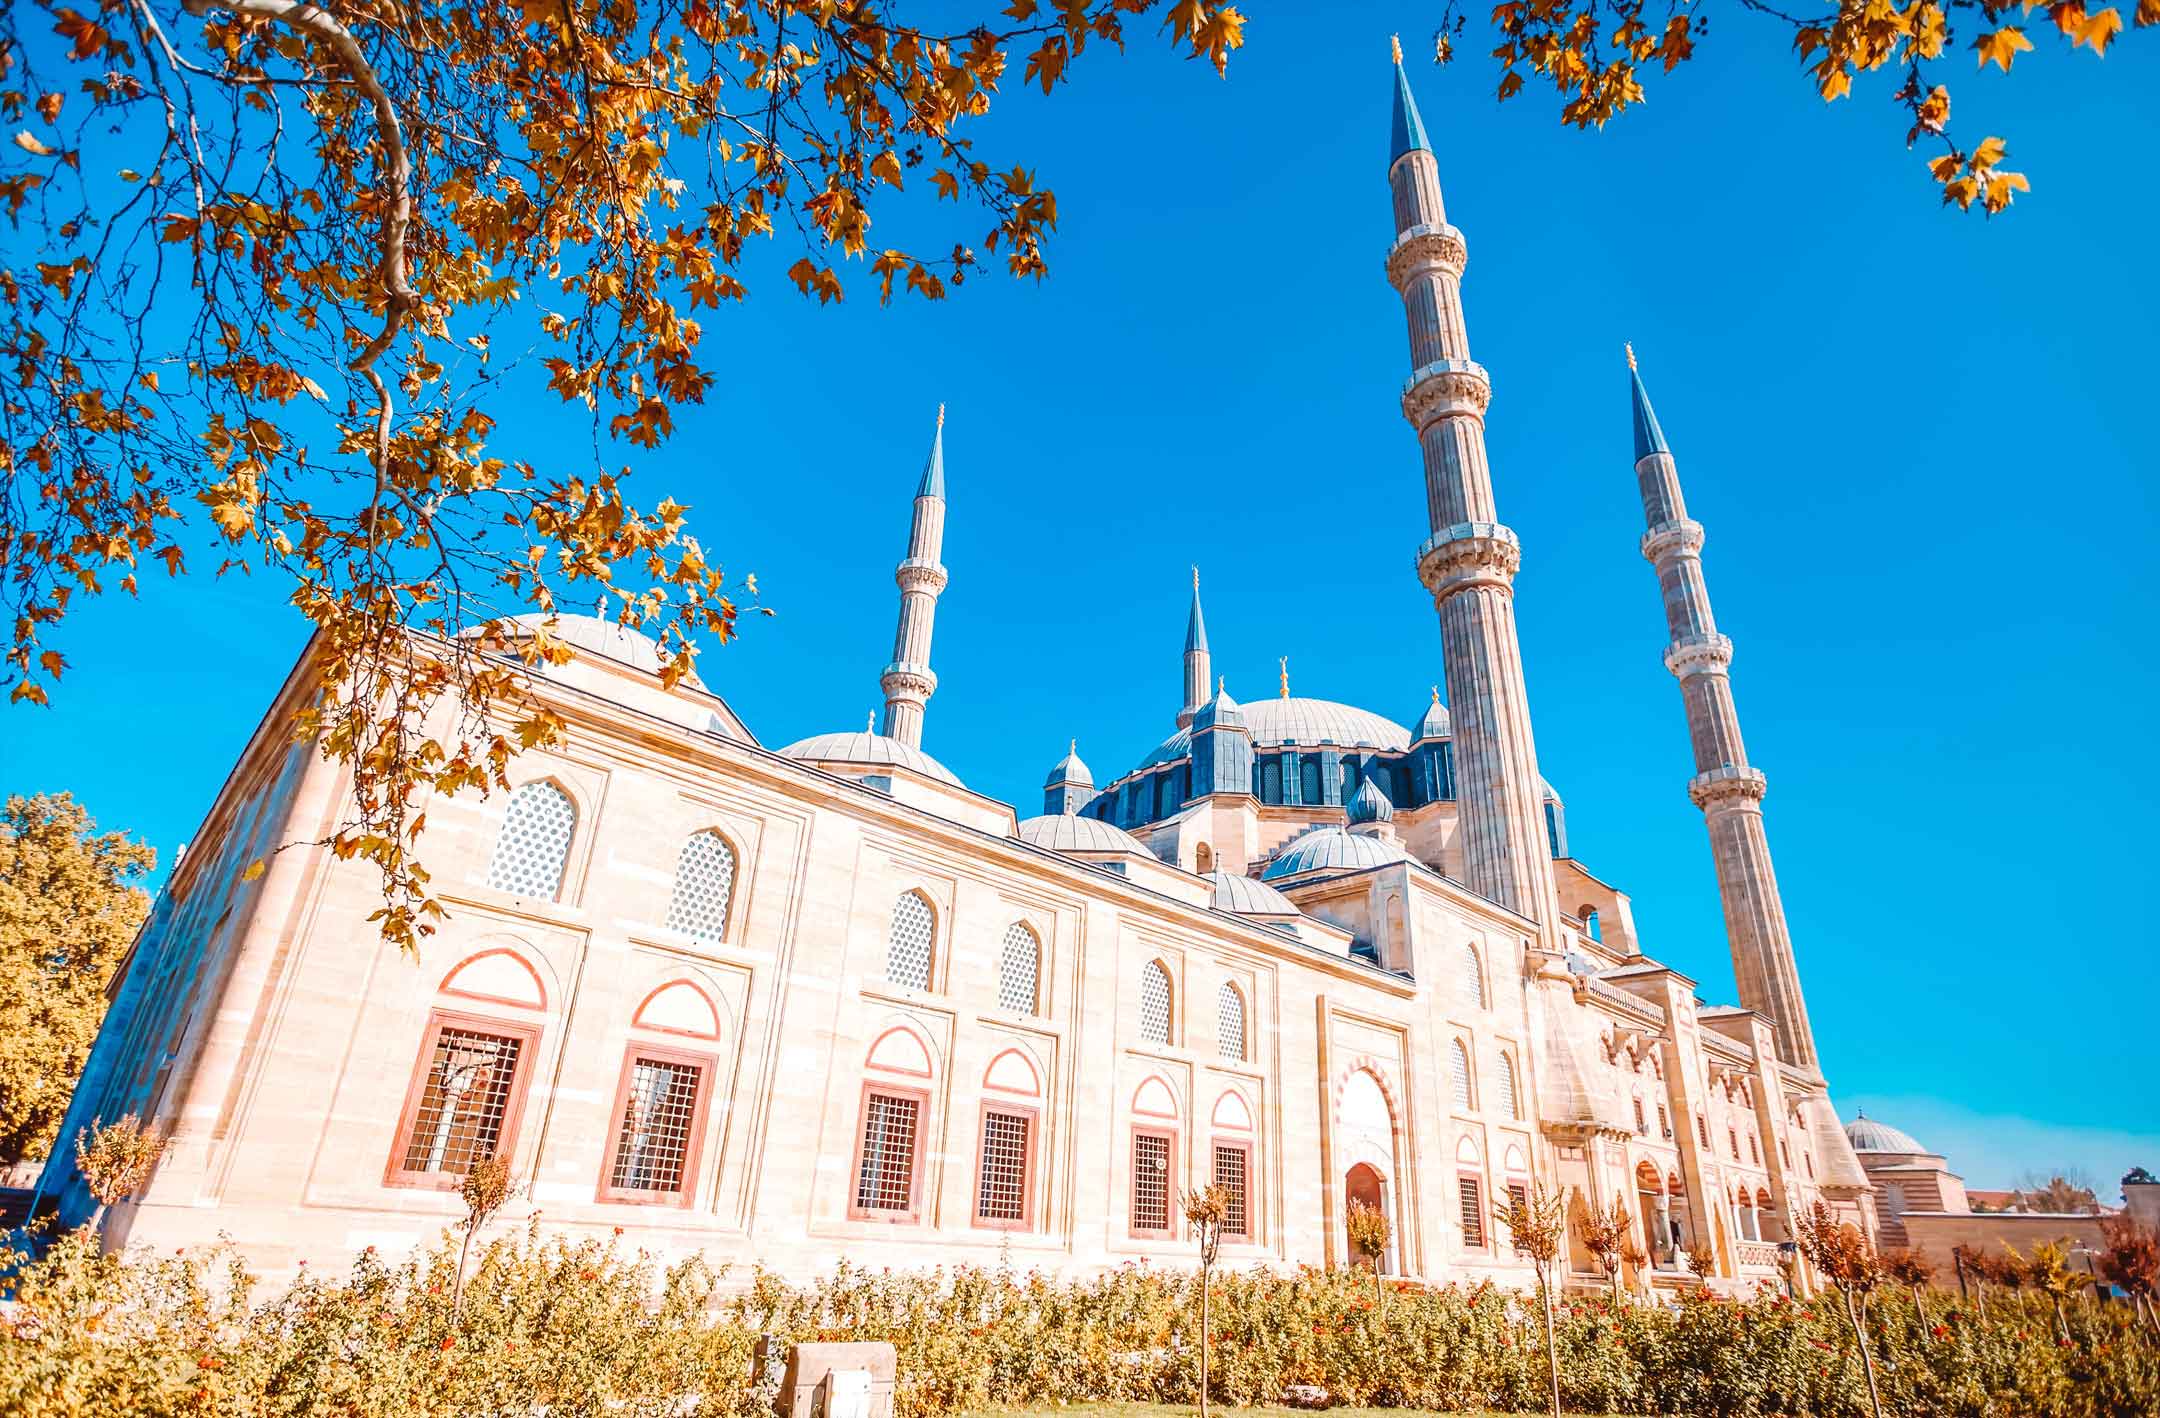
1867 1135
1221 712
1369 804
1434 723
1069 832
868 750
1070 770
1304 722
593 634
1244 896
1331 849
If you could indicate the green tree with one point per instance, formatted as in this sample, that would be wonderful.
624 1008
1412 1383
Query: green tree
69 907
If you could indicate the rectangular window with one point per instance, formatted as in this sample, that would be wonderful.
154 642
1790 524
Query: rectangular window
1664 1123
464 1100
1642 1126
1001 1183
659 1121
1233 1168
1473 1212
1518 1197
1702 1129
1732 1135
1784 1151
1754 1151
885 1169
1151 1184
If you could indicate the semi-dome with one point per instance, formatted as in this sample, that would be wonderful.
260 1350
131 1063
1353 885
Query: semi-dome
1369 805
1331 849
1867 1135
868 750
593 634
1244 896
1069 832
1305 722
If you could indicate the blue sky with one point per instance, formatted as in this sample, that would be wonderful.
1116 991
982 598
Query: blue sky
1922 444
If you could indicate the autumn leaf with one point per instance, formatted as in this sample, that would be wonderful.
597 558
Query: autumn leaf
28 142
88 37
2000 47
2098 30
254 870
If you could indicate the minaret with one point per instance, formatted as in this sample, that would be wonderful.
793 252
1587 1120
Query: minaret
1469 561
1196 658
907 681
1728 791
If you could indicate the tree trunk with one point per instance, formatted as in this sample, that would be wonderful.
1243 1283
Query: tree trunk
1920 1308
2062 1326
1552 1345
457 1286
1203 1341
1867 1360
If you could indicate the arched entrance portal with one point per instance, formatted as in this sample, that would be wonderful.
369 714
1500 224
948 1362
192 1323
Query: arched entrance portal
1366 1139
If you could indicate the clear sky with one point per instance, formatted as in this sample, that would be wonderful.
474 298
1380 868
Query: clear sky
1923 445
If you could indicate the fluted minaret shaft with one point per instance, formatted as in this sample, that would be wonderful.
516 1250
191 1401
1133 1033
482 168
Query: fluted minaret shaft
1198 674
1470 560
1727 789
908 681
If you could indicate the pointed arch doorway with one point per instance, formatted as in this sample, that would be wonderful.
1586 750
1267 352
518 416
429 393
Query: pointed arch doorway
1366 1139
1362 1186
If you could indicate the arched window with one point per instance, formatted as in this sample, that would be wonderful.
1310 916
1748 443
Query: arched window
1230 1022
1203 859
704 883
907 948
1459 1059
535 842
1271 778
1470 989
1154 1003
1504 1080
1018 966
1308 778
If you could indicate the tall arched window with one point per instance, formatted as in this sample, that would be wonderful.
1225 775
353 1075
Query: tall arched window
1459 1061
1504 1081
704 883
1154 1003
535 842
1470 989
907 948
1019 964
1230 1022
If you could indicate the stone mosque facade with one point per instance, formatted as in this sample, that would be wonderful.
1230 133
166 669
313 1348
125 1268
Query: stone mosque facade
792 1006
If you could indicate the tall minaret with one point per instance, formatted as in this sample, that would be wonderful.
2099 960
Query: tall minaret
1196 658
907 681
1728 791
1469 561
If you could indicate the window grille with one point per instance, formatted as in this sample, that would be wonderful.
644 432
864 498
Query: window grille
1230 1168
1754 1150
1702 1130
535 842
907 949
1642 1124
1470 989
1664 1122
1473 1212
1230 1022
1519 1198
1460 1057
1732 1135
652 1146
462 1107
1150 1182
1001 1192
1019 965
886 1180
704 882
1504 1080
1154 1003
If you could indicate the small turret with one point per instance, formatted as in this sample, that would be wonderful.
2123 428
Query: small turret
1221 744
1070 785
1369 807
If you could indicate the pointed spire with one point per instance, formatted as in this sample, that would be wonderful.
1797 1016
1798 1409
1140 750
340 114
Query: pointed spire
933 473
1409 129
1649 438
1195 627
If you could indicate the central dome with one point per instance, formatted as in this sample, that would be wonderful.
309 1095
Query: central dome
1304 722
1868 1135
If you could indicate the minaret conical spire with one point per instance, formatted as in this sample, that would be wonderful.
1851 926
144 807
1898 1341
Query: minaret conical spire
1409 128
1649 438
908 681
1197 659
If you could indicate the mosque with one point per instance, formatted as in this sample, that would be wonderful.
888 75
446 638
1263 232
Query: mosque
821 1002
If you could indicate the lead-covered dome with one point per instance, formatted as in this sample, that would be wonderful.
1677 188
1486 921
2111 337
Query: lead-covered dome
593 634
1303 722
1332 849
868 750
1867 1135
1068 832
1244 896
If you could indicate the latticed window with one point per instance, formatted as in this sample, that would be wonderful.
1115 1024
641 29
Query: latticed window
704 882
1732 1135
1150 1182
1001 1191
1470 989
1664 1122
1231 1175
1230 1022
1754 1150
1019 964
1473 1211
657 1130
1504 1080
1459 1061
907 949
1642 1124
465 1100
1519 1199
886 1179
535 842
1154 1003
1702 1130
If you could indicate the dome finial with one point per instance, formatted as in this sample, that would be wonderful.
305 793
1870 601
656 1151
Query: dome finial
941 414
1222 683
1072 746
870 723
1436 694
1284 662
1629 346
1395 44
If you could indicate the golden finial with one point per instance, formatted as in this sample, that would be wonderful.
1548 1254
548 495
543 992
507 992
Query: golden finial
1284 662
1436 694
1630 355
1074 746
940 415
1196 578
870 722
1395 43
1222 684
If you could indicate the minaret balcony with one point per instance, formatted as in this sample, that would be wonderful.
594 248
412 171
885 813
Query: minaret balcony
1682 536
1699 655
1446 388
1734 782
902 680
1468 554
1423 248
916 574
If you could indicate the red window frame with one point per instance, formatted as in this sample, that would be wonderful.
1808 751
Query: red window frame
1168 1230
1244 1148
1033 1115
1470 1189
527 1034
913 1215
706 1064
1518 1192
